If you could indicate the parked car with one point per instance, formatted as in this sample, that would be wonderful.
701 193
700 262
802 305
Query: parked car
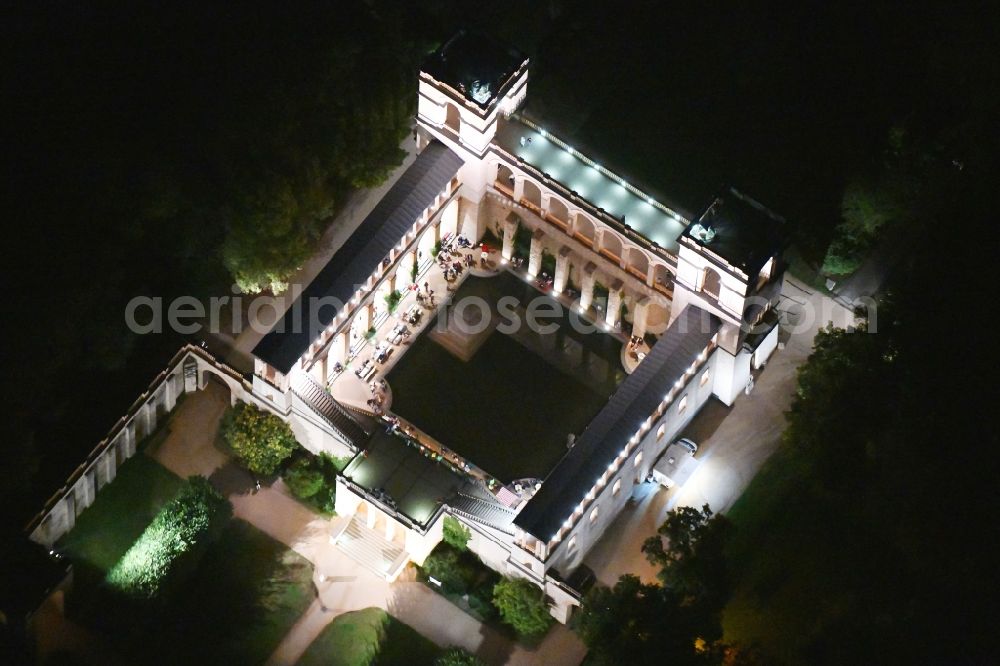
687 444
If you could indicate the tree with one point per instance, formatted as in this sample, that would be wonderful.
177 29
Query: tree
445 565
456 534
865 210
872 205
692 561
270 234
456 656
637 623
522 605
303 478
172 542
260 439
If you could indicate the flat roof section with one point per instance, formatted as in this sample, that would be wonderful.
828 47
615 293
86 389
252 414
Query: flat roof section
475 65
575 172
739 230
413 482
636 398
359 257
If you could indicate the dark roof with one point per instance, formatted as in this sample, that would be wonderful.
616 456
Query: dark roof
482 507
740 230
358 258
636 398
395 469
475 65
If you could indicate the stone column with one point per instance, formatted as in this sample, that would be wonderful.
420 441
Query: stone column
67 516
341 347
518 189
613 316
639 315
509 229
408 261
546 197
318 371
149 415
110 464
587 288
169 398
650 274
390 529
562 270
535 256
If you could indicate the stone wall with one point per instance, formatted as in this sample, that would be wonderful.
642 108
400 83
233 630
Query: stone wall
187 372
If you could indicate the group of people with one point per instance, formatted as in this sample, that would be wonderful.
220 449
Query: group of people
414 314
544 282
453 261
377 400
450 259
637 347
426 298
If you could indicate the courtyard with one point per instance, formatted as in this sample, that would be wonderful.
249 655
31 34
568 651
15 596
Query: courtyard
505 398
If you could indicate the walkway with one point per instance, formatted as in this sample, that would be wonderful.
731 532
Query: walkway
189 447
344 387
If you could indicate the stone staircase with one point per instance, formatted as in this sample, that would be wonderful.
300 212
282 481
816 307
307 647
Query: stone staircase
335 414
370 549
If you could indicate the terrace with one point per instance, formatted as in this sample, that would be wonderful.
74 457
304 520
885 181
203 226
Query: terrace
404 476
591 181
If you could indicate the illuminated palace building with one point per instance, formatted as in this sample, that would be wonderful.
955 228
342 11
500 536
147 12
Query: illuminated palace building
535 441
699 292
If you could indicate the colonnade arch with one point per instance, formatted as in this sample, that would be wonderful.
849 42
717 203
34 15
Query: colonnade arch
636 262
585 231
711 282
453 118
558 210
505 179
532 195
611 245
661 278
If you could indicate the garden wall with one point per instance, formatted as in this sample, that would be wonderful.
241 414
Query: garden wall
189 370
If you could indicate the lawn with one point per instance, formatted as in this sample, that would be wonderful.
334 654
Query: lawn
246 594
369 636
235 607
122 510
